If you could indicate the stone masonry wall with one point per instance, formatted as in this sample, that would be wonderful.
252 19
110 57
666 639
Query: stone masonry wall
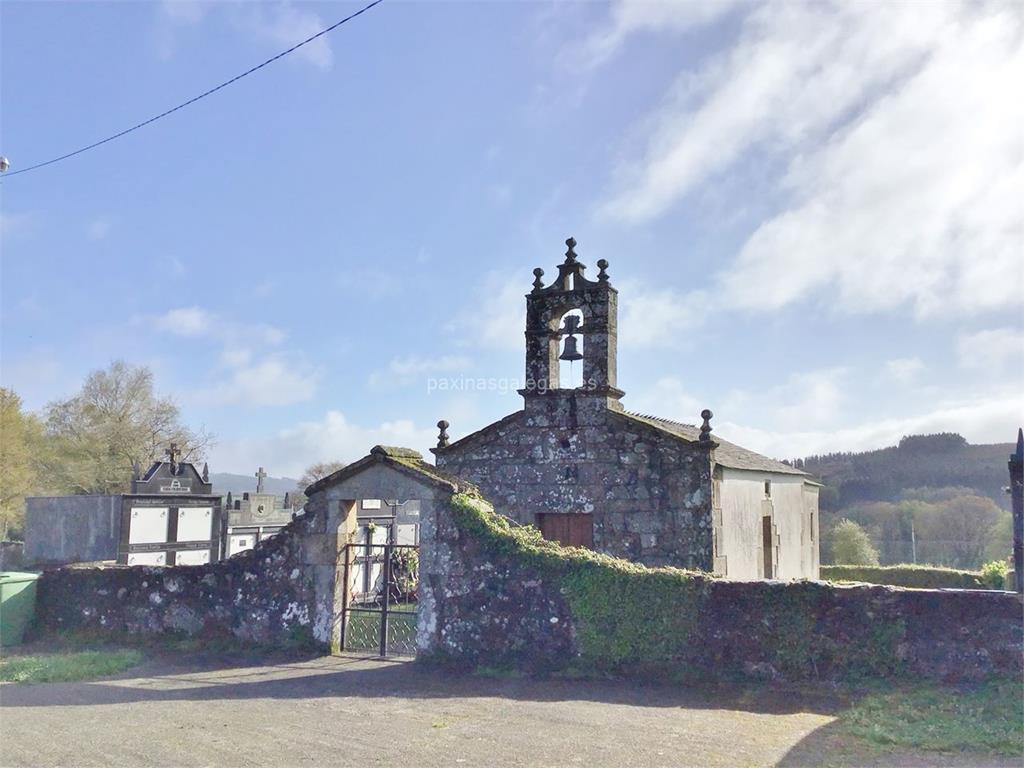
503 597
279 594
649 493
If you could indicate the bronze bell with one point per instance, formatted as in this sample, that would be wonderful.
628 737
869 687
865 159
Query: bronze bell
570 352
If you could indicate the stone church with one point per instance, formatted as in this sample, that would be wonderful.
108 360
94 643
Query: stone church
587 472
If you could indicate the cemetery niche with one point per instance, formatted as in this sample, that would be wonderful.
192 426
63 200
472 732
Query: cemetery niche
171 517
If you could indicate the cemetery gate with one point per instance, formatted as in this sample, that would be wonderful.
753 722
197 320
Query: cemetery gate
380 595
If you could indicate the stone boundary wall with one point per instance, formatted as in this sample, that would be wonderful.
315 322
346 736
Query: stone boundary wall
503 597
278 594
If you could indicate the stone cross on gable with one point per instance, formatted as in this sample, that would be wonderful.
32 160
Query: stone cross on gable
172 456
260 474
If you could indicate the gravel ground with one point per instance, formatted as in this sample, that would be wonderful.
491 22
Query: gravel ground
361 712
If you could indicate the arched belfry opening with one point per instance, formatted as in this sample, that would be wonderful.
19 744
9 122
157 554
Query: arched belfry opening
571 333
571 345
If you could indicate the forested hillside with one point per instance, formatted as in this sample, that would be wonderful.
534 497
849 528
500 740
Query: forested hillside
931 499
919 461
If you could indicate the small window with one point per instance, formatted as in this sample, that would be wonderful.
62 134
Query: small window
767 489
812 527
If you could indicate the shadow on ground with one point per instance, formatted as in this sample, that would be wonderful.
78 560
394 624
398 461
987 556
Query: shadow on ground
350 676
830 745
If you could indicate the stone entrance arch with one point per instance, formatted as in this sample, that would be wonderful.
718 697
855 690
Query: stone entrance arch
386 473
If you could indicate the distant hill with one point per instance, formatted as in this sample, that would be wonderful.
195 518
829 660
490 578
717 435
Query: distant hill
918 461
239 484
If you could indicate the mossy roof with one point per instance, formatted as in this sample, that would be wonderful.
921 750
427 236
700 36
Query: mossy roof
404 460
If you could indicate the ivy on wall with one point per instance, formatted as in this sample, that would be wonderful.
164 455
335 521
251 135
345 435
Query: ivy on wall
630 618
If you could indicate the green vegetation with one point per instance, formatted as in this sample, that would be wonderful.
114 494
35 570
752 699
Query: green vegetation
648 620
633 618
917 576
993 574
919 461
982 718
22 437
953 527
851 545
67 667
87 443
933 499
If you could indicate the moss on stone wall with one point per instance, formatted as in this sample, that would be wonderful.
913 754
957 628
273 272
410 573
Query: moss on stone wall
917 576
632 619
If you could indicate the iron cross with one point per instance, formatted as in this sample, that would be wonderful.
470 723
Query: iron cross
260 474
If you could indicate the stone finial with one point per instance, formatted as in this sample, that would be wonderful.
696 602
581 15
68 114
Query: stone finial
442 437
602 276
538 283
570 255
206 472
230 501
287 500
705 428
136 471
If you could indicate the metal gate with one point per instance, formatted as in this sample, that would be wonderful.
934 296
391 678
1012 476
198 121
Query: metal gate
380 590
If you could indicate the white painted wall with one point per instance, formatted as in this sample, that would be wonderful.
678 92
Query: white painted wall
743 503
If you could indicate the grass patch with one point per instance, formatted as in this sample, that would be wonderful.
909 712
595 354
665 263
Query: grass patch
66 667
988 717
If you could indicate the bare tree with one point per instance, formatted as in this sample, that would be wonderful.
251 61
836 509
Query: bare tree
317 471
115 421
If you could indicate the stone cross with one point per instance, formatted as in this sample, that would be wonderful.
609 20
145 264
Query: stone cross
260 474
172 456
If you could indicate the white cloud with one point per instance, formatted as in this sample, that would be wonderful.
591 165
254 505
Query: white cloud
495 321
657 316
196 322
283 24
807 415
333 437
275 380
253 371
904 369
186 321
989 419
406 370
280 24
185 11
900 135
670 399
630 16
993 351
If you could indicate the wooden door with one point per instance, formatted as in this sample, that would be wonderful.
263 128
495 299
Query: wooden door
570 530
768 545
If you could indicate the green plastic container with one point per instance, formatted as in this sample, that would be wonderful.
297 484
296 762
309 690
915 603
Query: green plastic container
17 605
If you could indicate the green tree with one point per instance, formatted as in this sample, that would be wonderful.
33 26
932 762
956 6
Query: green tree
1000 538
20 442
851 545
956 532
115 421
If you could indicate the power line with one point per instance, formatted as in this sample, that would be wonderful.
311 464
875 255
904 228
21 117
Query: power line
193 100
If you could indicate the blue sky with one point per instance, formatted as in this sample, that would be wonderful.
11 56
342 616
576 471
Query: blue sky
812 213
